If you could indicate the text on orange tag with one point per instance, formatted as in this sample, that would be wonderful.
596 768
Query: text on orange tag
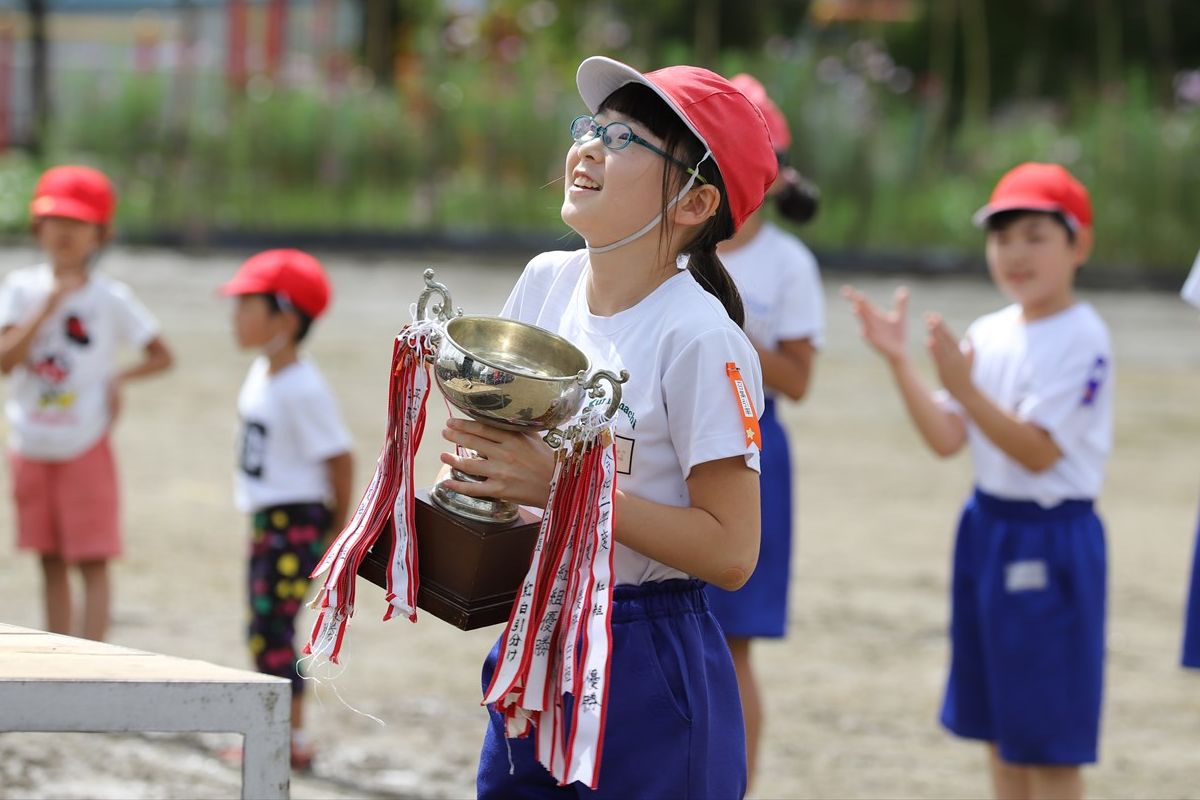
745 403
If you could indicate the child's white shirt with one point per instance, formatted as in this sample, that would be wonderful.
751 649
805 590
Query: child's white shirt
678 408
1191 287
780 285
1057 373
57 404
290 426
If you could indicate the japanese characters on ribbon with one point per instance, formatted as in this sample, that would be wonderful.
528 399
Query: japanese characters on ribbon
558 639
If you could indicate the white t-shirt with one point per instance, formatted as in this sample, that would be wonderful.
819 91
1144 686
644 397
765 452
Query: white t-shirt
780 286
678 407
1057 373
57 405
1191 287
290 428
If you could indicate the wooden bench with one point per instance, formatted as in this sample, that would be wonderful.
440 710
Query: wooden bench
50 682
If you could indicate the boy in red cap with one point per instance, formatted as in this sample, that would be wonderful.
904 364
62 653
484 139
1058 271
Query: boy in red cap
1029 390
294 467
61 325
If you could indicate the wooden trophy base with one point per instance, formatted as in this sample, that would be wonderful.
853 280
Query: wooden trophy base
469 571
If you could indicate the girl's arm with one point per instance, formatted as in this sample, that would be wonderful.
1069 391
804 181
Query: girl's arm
1024 442
788 368
15 340
944 431
715 538
156 357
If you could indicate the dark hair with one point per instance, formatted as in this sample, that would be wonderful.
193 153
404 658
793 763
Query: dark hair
799 200
275 307
641 103
1003 219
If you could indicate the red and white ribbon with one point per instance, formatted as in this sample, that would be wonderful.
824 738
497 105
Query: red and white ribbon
388 499
563 610
402 568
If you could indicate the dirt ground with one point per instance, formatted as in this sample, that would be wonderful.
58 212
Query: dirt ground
852 693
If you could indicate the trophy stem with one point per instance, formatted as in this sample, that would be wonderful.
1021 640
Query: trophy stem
480 509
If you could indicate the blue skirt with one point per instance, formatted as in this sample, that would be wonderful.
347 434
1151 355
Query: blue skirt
1191 624
759 609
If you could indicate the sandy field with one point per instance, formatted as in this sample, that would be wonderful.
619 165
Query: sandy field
852 692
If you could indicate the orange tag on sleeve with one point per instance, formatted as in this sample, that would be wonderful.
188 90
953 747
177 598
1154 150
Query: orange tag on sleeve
745 403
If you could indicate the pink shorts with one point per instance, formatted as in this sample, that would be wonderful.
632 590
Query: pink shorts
68 508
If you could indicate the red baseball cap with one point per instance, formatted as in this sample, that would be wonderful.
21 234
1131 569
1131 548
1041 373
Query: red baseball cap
720 116
74 192
293 275
777 124
1040 187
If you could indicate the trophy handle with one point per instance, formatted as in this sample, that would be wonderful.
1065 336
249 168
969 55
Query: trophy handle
595 390
555 437
441 310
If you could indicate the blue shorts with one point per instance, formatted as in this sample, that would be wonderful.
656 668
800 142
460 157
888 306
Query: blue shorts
674 727
760 607
1191 624
1027 630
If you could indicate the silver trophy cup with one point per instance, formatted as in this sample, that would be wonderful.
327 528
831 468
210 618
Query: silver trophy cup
509 375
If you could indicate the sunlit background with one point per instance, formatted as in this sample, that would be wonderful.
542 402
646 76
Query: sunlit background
448 117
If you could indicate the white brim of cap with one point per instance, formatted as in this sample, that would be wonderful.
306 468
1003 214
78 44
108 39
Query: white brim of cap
600 76
981 216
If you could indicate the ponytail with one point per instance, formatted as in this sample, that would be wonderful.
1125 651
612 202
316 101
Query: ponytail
799 199
706 267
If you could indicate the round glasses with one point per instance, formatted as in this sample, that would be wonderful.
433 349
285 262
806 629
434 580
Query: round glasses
618 136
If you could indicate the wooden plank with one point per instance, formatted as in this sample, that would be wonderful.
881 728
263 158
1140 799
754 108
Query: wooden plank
27 654
91 668
50 682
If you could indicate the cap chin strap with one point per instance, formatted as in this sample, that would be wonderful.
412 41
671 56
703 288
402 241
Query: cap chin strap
652 224
277 343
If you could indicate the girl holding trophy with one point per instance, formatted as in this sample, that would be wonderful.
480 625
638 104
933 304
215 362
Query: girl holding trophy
664 166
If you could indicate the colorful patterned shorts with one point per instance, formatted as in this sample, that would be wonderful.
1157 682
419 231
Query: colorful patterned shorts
288 542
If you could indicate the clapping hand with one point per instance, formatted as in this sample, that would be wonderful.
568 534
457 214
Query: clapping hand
952 358
885 331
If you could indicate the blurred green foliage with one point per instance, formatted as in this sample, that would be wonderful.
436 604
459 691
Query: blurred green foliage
472 138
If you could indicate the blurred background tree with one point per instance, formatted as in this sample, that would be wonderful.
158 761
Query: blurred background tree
447 117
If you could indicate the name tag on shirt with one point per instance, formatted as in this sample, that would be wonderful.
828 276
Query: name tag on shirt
1025 576
624 455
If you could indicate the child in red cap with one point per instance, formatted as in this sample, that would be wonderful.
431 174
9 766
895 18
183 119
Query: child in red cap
662 167
294 468
780 285
61 325
1029 390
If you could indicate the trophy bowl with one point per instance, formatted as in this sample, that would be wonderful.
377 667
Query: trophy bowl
515 376
511 374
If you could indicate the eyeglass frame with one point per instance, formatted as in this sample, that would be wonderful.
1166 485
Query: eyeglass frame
598 132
